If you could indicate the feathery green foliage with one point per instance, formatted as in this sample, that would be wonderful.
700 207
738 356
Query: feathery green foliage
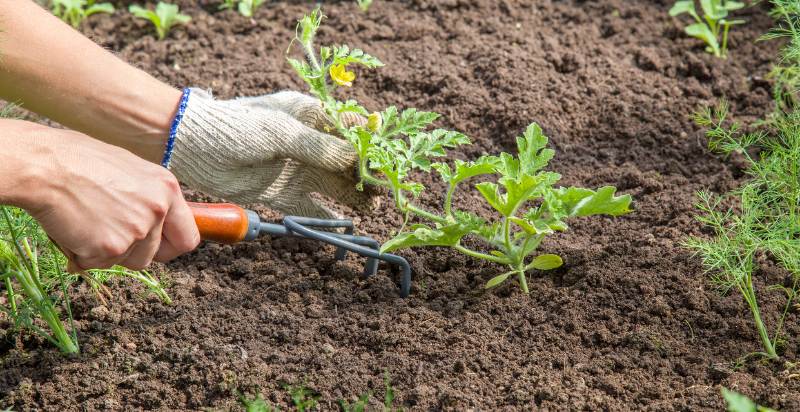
31 268
76 11
396 143
766 221
786 73
164 18
714 26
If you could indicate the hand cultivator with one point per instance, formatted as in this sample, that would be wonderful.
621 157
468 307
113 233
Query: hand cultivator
228 223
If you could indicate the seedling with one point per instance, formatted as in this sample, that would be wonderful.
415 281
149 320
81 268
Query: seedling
31 269
364 5
713 28
393 144
246 7
76 11
765 220
740 403
164 18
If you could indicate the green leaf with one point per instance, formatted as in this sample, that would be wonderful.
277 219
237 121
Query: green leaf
702 32
733 5
409 122
497 280
99 8
491 192
741 403
343 55
547 262
585 202
423 235
531 150
465 170
683 6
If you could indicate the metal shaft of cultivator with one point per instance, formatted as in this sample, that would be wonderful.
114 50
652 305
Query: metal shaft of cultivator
364 246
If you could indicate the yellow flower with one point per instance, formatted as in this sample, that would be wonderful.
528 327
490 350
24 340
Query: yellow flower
341 76
374 121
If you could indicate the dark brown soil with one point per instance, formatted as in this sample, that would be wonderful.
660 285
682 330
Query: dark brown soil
629 323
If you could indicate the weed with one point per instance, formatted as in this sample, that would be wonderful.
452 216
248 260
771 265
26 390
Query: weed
766 220
364 5
303 398
740 403
713 28
257 404
164 18
394 143
245 7
76 11
787 73
31 269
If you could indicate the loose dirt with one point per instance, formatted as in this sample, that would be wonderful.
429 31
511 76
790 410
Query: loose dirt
628 323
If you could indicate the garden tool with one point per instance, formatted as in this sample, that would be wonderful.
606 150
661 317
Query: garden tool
228 223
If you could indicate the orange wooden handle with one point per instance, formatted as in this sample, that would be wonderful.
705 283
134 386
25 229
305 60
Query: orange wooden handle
220 222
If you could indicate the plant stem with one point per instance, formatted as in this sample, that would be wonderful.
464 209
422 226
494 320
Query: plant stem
12 299
750 298
523 282
448 200
724 50
480 255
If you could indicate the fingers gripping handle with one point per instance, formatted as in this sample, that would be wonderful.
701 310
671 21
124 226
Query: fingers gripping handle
225 222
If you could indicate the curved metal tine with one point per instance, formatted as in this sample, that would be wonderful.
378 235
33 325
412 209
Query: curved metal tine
293 224
341 253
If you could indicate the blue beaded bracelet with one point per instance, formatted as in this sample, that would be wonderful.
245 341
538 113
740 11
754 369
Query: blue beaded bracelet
173 130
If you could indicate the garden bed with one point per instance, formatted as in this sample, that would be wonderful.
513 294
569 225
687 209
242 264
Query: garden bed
628 323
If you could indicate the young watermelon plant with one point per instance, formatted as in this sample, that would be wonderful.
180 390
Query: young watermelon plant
395 143
713 28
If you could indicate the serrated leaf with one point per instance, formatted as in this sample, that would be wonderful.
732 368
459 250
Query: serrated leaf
491 192
444 171
497 280
465 170
547 262
586 202
531 150
423 235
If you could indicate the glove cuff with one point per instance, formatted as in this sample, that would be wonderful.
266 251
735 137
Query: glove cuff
173 129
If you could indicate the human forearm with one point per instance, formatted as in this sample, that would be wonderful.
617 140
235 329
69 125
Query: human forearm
53 70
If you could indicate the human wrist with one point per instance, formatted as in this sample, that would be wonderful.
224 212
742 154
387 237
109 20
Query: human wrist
26 164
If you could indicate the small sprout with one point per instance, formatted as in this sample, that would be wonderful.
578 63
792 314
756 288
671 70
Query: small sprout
364 4
713 25
75 11
246 7
740 403
341 76
163 18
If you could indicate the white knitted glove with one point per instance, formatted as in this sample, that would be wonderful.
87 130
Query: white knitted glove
267 150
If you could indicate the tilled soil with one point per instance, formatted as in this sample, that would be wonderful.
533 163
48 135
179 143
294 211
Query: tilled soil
628 323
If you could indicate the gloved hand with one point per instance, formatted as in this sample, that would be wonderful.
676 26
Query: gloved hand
270 150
